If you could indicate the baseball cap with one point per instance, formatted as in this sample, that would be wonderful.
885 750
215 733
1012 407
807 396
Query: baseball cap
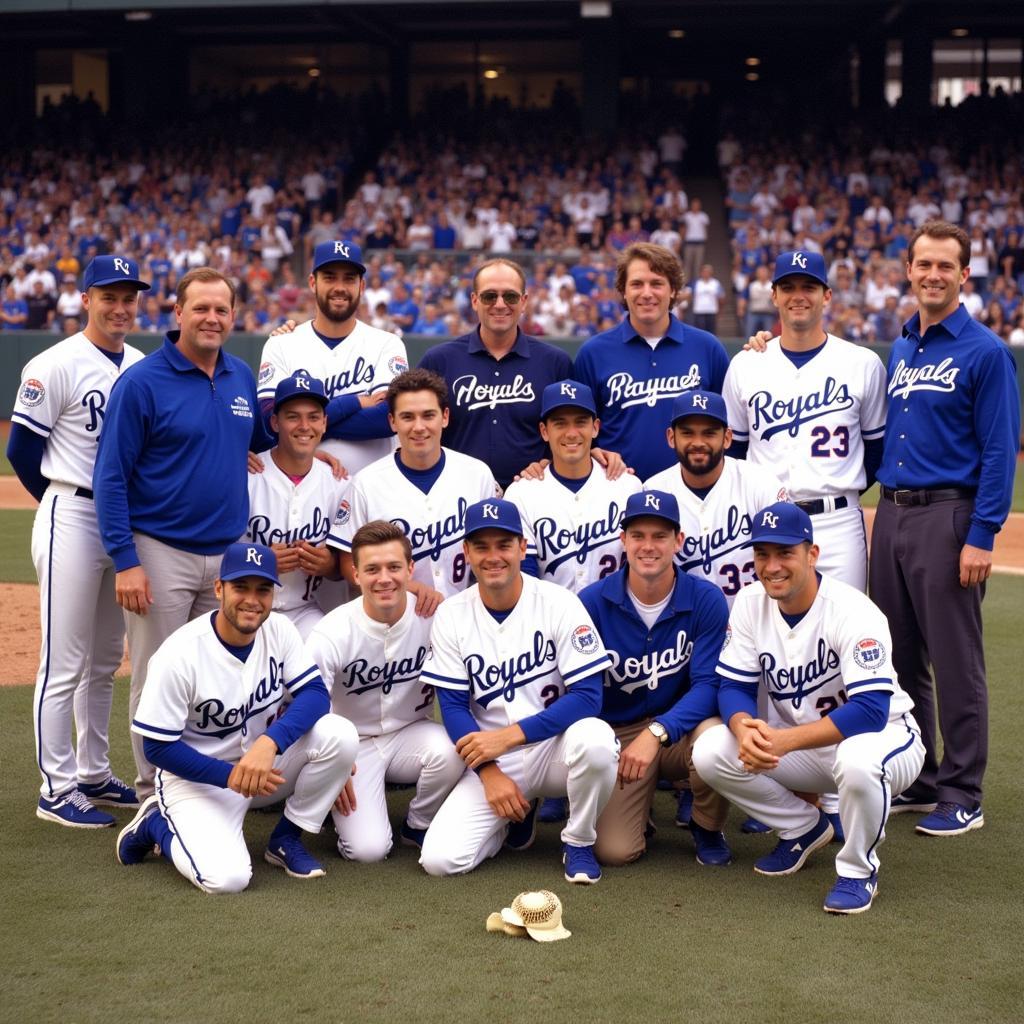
809 264
493 514
699 403
540 913
112 270
781 523
338 252
300 385
241 560
659 504
567 392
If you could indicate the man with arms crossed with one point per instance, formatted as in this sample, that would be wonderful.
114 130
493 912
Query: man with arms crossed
952 435
371 652
821 652
663 629
235 715
517 665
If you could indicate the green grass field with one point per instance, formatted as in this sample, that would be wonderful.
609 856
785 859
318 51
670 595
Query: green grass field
662 940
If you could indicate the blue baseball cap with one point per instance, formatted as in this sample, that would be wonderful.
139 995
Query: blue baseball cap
300 385
112 270
241 560
781 523
659 504
338 252
567 393
699 403
808 264
493 514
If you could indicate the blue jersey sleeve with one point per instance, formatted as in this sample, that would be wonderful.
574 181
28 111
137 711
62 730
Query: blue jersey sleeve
347 420
183 760
25 450
311 703
458 719
735 697
863 712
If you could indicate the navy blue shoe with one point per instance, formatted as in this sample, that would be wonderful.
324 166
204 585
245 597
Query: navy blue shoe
851 895
136 841
580 864
553 808
685 808
410 836
789 855
112 793
289 853
712 849
521 834
753 827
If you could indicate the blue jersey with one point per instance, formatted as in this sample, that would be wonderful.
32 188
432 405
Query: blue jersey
635 386
665 672
954 417
171 462
495 403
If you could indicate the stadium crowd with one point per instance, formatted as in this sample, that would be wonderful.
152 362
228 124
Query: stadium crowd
424 212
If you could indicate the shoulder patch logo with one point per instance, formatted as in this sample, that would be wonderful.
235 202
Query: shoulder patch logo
584 640
266 372
728 637
397 365
344 512
869 654
32 393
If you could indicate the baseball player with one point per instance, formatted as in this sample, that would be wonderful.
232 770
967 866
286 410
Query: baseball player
57 420
370 652
292 503
354 360
717 495
821 652
811 409
423 488
571 515
517 665
663 629
235 715
637 368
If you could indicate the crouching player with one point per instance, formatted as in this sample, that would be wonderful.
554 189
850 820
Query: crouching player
370 652
518 668
234 715
822 651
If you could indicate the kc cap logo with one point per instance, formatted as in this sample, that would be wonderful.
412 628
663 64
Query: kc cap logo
496 514
807 264
241 560
339 251
658 504
104 270
300 385
781 523
567 393
700 403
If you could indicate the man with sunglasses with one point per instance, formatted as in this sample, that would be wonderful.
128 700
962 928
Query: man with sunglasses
496 375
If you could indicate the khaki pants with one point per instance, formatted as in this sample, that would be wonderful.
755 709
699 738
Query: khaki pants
623 822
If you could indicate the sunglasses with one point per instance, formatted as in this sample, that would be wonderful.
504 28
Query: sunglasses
489 298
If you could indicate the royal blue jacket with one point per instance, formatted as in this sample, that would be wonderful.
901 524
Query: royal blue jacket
667 672
171 461
954 417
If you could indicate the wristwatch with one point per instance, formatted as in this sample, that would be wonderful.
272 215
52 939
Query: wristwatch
660 731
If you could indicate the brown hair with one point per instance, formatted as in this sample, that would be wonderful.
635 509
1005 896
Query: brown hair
207 275
417 380
942 229
661 261
379 531
500 261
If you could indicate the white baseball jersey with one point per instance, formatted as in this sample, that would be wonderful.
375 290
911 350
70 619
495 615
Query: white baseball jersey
516 668
840 647
364 362
716 529
281 512
373 669
808 424
198 691
574 535
63 393
433 522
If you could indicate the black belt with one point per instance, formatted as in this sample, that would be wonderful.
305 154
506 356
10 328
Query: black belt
925 496
816 506
83 492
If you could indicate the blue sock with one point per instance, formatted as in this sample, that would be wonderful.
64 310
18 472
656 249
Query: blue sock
160 832
283 830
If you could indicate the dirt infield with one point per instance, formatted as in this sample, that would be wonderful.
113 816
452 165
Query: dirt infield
19 630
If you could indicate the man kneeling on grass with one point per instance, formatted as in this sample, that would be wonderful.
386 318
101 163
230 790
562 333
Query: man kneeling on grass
235 715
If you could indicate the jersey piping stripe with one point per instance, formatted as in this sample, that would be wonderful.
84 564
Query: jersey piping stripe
451 682
46 672
597 665
197 877
878 683
140 726
739 674
34 425
308 676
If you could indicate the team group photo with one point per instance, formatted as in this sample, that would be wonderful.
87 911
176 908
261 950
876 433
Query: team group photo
413 522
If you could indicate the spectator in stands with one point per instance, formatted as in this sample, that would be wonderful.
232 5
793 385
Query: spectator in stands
14 311
706 303
41 308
